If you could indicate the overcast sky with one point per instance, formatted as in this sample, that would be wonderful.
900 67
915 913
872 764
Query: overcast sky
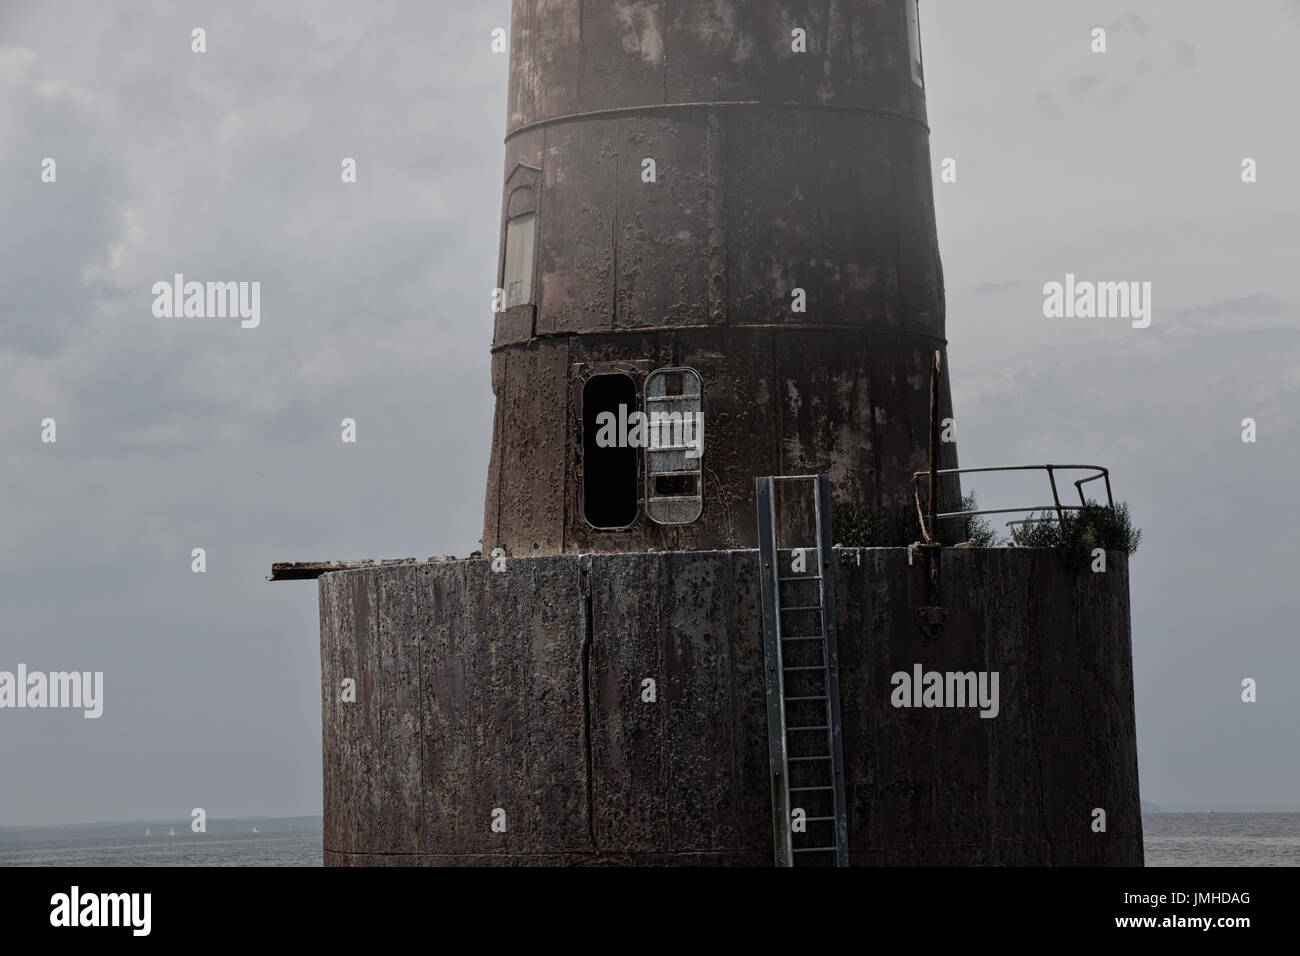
177 434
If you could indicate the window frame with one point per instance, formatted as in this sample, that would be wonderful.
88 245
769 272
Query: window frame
527 269
664 509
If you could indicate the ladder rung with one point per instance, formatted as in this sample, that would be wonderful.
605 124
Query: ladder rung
790 700
818 819
802 607
806 789
807 577
791 730
807 637
810 667
806 759
670 398
814 849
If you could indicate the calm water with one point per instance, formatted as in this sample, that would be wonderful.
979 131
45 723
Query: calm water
245 849
1172 839
1221 839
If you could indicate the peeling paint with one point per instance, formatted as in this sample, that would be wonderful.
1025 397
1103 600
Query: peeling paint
641 21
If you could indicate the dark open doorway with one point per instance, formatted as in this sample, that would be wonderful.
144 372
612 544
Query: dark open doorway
609 474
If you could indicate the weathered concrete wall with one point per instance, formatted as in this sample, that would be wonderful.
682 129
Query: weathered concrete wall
522 690
849 403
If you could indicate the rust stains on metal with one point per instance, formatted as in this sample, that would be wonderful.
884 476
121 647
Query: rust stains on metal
776 176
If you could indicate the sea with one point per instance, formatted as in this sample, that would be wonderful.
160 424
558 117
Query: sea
184 849
1171 839
1221 839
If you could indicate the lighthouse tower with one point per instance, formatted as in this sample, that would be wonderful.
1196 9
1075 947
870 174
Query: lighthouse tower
722 210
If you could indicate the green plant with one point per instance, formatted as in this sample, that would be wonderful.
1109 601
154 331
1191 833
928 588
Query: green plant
1078 533
868 526
975 527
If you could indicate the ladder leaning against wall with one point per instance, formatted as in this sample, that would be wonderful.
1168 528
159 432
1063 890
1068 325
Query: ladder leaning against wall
801 668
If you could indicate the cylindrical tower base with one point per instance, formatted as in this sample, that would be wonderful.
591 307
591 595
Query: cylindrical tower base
610 710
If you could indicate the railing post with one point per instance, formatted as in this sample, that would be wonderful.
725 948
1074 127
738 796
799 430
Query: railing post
916 498
1056 498
932 531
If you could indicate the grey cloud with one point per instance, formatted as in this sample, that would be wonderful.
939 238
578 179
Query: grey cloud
1081 85
994 288
1132 21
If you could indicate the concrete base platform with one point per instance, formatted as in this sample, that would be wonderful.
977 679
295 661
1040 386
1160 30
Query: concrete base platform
520 698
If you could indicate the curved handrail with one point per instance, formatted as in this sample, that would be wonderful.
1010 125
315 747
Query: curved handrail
1100 472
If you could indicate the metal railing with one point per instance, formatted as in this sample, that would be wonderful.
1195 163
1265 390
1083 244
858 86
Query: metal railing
1100 473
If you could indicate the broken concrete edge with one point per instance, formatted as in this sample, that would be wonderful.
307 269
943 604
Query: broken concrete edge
311 570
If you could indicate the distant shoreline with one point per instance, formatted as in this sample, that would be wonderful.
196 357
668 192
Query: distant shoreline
1220 808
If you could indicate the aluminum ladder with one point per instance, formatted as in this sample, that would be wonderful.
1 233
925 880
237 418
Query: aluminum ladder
801 668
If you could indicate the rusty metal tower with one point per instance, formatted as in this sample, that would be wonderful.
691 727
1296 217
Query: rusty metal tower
722 208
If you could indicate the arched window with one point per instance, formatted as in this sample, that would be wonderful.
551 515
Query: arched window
521 248
519 238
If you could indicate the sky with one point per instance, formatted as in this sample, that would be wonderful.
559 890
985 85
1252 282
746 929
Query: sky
180 434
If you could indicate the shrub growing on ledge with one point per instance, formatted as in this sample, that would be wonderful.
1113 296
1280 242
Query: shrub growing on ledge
867 526
975 528
1080 532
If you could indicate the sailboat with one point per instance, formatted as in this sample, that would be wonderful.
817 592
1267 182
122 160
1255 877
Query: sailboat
146 832
171 832
256 830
